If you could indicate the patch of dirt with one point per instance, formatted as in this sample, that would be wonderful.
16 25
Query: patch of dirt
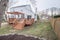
17 37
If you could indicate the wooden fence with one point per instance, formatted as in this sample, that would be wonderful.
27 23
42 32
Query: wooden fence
55 22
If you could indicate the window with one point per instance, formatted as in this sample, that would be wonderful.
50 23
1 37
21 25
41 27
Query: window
11 16
19 16
29 17
22 15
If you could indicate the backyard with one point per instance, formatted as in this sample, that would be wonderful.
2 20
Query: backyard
38 29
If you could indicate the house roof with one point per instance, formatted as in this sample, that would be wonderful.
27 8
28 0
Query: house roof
25 7
21 4
14 12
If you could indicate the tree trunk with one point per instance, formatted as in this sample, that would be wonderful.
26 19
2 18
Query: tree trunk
3 4
0 24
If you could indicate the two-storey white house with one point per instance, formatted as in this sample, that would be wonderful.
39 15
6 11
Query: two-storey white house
28 7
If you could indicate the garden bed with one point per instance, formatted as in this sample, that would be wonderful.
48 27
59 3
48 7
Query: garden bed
17 37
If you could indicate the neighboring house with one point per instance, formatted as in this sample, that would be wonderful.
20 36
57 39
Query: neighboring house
51 11
28 7
54 11
46 14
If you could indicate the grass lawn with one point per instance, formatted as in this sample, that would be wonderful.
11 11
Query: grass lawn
37 29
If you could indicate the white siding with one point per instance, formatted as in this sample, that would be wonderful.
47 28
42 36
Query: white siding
25 9
14 3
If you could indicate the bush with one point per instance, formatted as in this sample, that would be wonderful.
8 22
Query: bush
57 16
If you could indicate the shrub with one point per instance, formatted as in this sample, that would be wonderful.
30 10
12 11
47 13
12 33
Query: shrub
56 16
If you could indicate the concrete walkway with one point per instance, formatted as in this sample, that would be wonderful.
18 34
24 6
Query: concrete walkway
4 24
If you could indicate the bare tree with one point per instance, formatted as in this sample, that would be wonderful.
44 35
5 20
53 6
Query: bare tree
3 4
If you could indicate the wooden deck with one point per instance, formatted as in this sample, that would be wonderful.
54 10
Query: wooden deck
19 23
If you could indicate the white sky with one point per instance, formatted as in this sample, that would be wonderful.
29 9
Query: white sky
44 4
